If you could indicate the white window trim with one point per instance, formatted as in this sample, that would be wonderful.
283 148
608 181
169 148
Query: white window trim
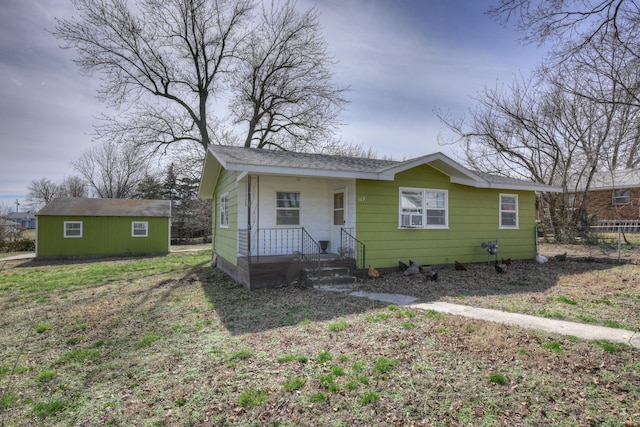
222 224
64 231
424 226
146 229
275 219
508 227
623 200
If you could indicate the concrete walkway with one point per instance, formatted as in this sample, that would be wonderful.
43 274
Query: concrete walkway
580 330
27 255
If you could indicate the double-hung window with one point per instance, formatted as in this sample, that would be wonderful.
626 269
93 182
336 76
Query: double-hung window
423 208
224 210
288 208
620 197
139 229
73 229
508 211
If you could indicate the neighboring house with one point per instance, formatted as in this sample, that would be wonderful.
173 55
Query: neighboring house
273 209
613 196
88 227
24 219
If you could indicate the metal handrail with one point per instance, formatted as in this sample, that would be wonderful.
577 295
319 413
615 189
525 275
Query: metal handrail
352 248
309 249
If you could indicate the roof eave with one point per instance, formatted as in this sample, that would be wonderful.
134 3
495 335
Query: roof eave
316 173
210 174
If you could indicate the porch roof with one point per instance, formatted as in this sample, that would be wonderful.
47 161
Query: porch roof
253 160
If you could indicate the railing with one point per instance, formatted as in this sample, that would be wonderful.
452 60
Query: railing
310 250
352 248
613 225
278 241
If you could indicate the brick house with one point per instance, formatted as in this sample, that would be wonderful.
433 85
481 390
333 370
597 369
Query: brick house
614 195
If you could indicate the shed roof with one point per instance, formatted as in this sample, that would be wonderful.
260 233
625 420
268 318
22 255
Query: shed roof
253 160
107 207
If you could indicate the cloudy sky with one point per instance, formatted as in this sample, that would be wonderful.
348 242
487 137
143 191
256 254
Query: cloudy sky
402 59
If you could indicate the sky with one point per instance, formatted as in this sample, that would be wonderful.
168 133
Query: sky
401 58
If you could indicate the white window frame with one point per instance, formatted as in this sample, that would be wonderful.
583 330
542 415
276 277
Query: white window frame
419 217
289 208
72 236
620 197
133 228
503 211
224 211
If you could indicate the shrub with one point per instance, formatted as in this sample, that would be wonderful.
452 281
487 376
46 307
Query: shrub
20 245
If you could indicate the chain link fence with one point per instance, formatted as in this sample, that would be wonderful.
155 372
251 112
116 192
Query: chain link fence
609 240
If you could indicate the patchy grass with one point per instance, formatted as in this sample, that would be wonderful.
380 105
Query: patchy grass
170 341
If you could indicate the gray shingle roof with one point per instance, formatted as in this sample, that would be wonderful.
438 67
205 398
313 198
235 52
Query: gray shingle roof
624 178
272 161
259 157
107 207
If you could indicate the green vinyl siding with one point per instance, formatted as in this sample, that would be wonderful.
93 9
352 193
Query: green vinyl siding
225 239
101 236
473 218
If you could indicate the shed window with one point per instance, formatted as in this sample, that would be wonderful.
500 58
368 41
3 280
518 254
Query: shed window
423 208
224 210
508 211
287 208
139 229
620 197
73 229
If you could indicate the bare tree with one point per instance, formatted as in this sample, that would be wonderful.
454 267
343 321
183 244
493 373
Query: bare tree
165 63
113 171
571 23
604 73
160 61
74 186
43 191
283 82
540 131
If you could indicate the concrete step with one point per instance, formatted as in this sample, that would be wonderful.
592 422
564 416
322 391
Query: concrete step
329 270
338 279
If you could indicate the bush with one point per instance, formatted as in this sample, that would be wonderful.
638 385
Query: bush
20 245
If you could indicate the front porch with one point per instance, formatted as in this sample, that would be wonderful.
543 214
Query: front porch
273 257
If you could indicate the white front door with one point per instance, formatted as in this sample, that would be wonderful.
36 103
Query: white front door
339 217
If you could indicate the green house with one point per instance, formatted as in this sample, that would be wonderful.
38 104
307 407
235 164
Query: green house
92 227
275 211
